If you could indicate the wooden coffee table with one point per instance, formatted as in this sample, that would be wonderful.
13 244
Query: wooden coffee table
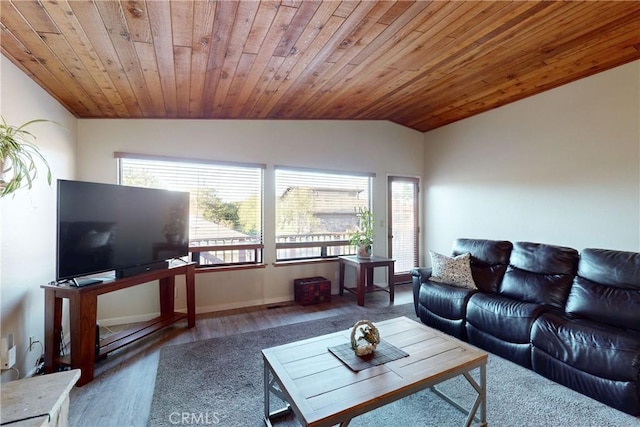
322 391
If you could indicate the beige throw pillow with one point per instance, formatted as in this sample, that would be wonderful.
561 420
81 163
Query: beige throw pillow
453 271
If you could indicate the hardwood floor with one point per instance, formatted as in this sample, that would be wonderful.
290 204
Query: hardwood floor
120 395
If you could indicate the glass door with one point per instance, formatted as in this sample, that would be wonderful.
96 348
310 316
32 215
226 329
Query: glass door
403 225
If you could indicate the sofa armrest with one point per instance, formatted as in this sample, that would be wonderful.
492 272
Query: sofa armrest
421 272
418 276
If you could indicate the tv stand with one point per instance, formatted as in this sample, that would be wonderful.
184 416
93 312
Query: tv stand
83 305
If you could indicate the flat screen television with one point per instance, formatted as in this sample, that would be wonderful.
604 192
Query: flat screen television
105 227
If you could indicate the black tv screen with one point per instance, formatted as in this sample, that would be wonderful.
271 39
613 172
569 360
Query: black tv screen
104 227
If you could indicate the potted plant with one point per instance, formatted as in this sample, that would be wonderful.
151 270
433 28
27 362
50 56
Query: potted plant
362 238
174 229
18 157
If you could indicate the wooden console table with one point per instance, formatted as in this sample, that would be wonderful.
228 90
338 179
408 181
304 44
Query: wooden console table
83 305
364 275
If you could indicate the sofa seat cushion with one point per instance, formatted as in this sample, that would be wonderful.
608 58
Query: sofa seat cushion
622 395
504 318
453 327
446 301
589 346
519 353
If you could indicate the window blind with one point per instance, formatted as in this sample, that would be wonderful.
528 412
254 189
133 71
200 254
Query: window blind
316 211
225 223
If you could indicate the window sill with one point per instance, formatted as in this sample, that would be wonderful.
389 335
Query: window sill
304 261
214 269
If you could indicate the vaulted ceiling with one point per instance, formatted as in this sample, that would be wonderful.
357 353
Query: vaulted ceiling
420 64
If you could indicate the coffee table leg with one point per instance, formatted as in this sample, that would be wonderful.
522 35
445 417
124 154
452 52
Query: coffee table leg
483 391
480 401
266 393
271 387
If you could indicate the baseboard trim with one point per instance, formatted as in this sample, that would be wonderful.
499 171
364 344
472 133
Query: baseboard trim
123 320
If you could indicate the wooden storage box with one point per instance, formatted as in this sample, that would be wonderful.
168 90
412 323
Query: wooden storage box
312 290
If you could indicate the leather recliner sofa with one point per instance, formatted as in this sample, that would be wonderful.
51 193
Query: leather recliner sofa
571 317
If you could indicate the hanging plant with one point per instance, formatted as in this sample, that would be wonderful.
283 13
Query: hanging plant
19 157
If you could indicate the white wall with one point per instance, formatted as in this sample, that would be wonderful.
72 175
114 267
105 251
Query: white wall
562 167
367 146
27 220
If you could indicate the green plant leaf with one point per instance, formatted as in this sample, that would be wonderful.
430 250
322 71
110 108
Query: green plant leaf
20 157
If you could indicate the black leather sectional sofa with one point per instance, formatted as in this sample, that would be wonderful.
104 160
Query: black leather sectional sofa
572 317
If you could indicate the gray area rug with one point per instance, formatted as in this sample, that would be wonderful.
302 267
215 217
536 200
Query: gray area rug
220 382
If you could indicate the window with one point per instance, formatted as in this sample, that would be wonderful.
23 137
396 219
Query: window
404 229
316 211
225 223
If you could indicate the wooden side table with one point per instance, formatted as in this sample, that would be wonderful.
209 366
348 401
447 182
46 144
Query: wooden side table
38 401
364 274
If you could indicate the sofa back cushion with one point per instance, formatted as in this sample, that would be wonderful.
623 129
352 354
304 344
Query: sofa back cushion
607 288
540 274
489 260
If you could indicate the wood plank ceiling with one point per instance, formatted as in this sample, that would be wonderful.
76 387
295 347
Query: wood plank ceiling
420 64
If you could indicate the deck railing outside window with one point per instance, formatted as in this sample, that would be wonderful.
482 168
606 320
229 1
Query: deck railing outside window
217 252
